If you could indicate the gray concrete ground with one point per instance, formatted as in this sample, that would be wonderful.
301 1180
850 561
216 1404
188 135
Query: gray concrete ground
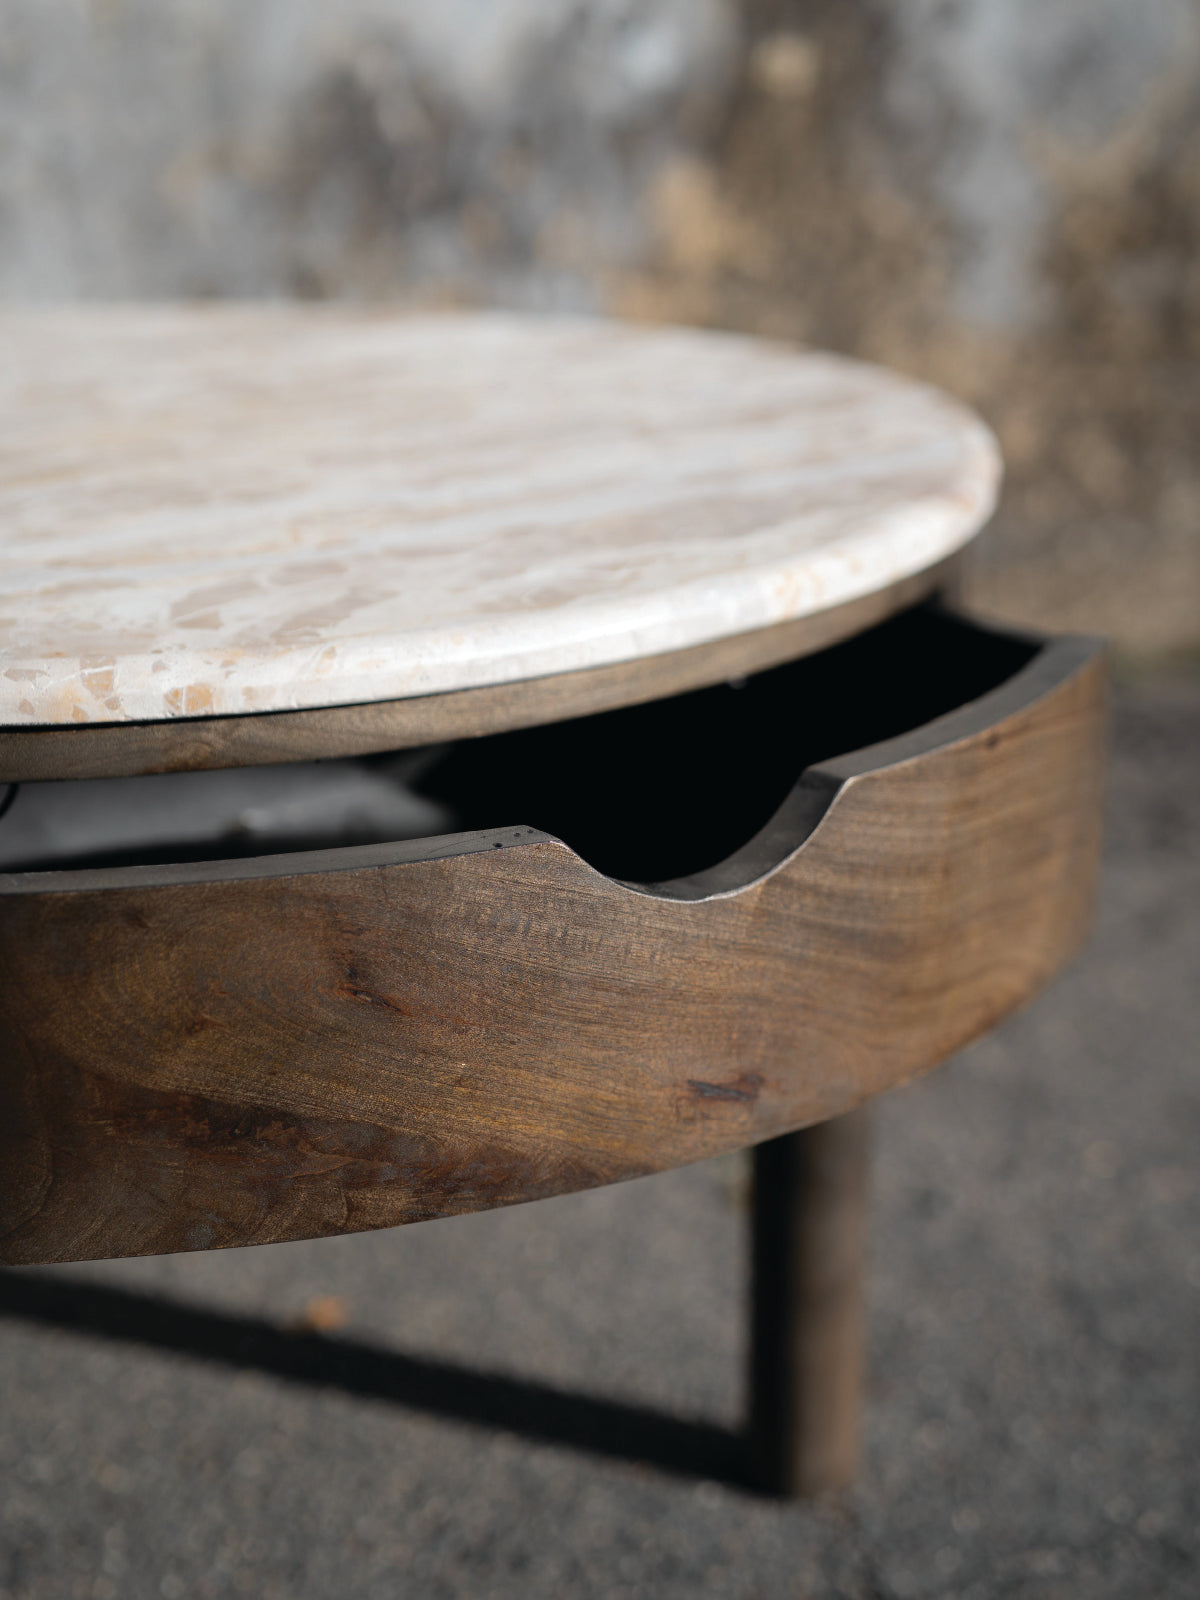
1035 1310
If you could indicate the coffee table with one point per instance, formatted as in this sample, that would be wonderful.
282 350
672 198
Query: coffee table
465 759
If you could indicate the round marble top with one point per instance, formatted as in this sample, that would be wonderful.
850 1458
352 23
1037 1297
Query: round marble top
213 510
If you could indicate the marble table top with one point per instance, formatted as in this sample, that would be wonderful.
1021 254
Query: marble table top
236 509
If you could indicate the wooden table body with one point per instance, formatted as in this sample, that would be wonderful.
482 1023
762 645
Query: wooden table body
217 1054
243 536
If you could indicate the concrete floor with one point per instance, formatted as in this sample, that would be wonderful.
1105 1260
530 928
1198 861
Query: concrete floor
1034 1414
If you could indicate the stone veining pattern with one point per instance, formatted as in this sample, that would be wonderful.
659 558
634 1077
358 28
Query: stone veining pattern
221 510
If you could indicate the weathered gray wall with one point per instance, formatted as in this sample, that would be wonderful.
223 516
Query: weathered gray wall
459 148
1003 195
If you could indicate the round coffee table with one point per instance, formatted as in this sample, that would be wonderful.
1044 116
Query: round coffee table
464 759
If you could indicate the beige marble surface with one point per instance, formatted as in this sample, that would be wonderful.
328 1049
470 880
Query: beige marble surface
239 509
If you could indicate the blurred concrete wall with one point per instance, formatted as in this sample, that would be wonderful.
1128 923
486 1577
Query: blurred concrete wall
1002 195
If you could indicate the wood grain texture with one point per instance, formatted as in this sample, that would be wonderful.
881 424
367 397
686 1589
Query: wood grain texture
234 1053
194 744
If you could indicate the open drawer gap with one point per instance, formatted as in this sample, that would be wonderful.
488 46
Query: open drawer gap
645 794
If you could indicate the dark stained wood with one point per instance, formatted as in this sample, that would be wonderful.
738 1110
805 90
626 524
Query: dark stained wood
191 744
232 1053
807 1324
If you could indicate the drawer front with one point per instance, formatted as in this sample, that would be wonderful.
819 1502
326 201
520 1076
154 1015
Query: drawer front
230 1053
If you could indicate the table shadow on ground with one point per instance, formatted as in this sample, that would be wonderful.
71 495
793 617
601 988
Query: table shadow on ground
519 1406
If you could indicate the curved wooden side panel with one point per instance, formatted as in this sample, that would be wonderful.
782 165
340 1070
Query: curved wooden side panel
244 1052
